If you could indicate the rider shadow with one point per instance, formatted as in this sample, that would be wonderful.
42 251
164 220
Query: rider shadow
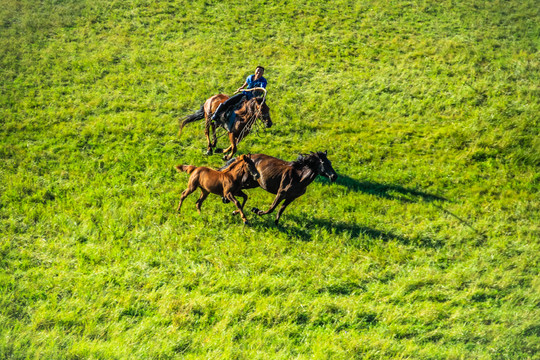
391 192
358 236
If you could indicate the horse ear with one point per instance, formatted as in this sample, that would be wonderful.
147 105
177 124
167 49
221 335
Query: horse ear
325 152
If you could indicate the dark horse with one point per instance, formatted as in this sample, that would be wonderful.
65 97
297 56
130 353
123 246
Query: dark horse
246 116
288 180
226 183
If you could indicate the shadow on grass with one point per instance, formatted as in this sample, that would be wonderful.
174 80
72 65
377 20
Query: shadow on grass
359 236
481 237
392 192
400 193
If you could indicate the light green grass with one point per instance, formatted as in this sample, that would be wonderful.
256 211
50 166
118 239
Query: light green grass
425 248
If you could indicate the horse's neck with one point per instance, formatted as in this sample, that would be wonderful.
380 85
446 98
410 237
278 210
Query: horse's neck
233 172
307 175
241 123
246 113
242 119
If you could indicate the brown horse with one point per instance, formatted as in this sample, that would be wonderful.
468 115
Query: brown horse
226 183
251 110
288 180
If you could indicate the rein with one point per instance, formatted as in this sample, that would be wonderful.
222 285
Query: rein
250 122
249 125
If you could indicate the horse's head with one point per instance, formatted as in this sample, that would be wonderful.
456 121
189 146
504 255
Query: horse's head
250 165
324 167
264 112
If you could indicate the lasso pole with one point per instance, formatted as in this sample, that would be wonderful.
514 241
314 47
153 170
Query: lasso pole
255 89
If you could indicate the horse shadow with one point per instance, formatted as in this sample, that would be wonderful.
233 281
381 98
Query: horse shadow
357 236
391 192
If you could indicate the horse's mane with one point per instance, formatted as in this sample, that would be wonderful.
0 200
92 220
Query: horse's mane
229 165
306 160
248 110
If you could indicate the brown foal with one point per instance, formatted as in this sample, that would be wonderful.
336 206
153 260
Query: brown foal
226 183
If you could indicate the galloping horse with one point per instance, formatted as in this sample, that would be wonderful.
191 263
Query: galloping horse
288 180
251 110
226 183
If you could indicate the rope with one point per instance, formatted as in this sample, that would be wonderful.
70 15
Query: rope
249 125
247 128
251 122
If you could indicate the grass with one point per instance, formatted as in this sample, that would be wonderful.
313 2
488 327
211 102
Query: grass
426 247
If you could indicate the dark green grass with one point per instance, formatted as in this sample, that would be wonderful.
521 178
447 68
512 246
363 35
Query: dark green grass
426 246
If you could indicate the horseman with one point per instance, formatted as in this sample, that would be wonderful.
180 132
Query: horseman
255 80
236 115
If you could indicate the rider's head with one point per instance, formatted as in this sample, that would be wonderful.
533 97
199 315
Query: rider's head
259 71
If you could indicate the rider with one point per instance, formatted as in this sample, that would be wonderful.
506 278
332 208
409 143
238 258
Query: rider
252 81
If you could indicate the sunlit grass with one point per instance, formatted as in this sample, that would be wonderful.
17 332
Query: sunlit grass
425 247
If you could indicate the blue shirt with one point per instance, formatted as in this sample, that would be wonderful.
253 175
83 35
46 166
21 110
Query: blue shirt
251 83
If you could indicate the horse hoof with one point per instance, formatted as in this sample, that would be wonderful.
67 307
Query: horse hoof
246 222
225 200
209 152
255 210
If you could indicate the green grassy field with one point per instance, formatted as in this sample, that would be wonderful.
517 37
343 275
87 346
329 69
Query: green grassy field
427 246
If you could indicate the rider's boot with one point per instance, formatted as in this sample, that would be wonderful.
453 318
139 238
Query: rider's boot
227 125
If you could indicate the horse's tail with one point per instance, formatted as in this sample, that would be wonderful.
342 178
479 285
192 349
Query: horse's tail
185 168
199 115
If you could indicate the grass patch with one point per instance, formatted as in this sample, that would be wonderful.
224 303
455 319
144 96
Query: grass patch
426 246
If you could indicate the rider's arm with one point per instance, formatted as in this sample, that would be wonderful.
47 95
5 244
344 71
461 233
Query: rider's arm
242 87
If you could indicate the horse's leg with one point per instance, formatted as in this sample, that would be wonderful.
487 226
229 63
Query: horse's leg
207 126
282 208
232 139
231 197
204 195
231 149
227 149
244 199
279 198
214 137
185 194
